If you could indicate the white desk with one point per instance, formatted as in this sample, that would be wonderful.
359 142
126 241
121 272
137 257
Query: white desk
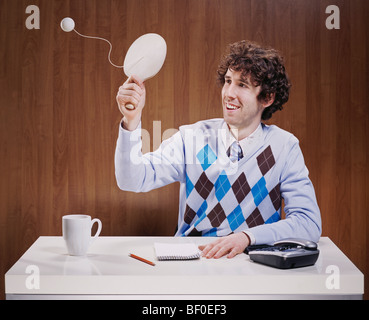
45 271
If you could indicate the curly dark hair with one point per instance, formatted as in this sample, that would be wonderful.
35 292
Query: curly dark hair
266 69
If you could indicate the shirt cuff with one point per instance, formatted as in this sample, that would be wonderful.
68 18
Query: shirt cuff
128 139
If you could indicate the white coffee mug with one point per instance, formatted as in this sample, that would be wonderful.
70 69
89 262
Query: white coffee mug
77 233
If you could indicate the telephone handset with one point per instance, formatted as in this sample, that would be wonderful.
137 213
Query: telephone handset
285 254
297 243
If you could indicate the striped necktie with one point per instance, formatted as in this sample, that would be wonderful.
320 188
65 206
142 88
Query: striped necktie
235 152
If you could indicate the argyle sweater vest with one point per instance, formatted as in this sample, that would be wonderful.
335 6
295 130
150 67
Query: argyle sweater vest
224 197
219 197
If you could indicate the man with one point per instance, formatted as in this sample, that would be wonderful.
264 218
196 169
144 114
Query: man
233 171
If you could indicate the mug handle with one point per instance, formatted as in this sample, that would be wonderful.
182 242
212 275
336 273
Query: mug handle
98 228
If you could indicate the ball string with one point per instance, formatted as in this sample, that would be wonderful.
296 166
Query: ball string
68 25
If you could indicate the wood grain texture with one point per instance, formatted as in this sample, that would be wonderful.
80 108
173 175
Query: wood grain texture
59 120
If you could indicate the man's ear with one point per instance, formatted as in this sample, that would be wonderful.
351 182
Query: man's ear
268 101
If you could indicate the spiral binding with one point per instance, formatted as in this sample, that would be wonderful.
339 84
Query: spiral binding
192 257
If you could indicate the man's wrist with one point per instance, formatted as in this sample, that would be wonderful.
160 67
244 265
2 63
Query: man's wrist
250 237
129 126
247 236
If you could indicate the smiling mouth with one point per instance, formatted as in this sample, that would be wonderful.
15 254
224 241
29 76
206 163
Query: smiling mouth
231 106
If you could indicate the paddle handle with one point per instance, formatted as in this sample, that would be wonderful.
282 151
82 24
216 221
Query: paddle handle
130 106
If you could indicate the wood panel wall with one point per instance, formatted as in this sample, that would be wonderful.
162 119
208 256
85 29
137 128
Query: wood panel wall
59 120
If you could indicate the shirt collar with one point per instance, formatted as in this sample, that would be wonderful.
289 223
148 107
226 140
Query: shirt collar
245 143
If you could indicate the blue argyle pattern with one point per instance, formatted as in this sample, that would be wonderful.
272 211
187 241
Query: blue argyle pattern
206 156
218 204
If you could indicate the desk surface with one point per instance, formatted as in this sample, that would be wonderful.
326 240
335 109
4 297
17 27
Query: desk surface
108 270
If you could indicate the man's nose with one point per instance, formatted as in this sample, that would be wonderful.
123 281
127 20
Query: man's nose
231 91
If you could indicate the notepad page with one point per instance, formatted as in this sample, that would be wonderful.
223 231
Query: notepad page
176 251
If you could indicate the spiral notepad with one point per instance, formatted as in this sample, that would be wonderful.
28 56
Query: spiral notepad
176 251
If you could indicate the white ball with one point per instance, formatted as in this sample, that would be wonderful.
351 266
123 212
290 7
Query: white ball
67 24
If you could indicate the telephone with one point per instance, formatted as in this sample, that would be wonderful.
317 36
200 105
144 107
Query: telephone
285 254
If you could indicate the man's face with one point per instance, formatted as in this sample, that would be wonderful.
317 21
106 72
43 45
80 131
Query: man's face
241 108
